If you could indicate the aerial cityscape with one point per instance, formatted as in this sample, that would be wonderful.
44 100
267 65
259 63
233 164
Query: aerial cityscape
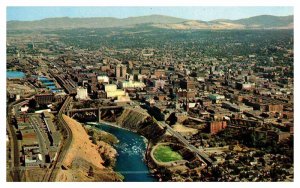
150 97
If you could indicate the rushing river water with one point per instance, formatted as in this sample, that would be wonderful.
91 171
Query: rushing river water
131 149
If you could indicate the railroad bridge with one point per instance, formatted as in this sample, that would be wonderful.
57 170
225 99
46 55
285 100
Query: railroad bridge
95 113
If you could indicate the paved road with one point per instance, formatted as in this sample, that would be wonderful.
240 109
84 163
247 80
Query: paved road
202 155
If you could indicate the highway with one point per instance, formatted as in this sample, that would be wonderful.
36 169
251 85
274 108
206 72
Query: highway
205 158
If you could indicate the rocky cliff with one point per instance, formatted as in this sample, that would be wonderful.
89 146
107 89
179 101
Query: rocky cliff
140 121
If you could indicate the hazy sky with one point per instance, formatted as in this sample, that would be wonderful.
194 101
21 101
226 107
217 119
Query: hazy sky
197 13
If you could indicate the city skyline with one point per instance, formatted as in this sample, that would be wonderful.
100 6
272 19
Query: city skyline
143 97
195 13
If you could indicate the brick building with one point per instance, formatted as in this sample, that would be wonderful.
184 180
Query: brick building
216 126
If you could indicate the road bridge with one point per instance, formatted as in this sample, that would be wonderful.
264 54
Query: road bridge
205 158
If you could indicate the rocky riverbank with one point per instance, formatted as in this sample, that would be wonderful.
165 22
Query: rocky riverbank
85 161
104 141
139 121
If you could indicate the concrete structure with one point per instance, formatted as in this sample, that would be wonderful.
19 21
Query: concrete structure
112 91
187 84
82 93
114 94
103 79
110 87
120 71
131 84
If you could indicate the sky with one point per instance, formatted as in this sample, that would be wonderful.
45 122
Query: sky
195 13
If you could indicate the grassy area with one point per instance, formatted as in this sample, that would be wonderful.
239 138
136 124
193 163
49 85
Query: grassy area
166 154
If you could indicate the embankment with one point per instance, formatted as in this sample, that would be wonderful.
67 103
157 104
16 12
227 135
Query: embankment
83 161
181 170
140 121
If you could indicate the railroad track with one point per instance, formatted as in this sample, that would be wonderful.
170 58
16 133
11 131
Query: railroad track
14 146
50 176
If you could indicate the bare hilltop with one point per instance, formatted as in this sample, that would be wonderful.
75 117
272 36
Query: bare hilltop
155 21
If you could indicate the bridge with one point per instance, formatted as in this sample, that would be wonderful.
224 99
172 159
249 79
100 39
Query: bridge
97 113
203 156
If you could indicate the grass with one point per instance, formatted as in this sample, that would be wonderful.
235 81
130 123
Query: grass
165 154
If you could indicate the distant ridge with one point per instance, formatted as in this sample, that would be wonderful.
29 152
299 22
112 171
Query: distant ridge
158 21
267 21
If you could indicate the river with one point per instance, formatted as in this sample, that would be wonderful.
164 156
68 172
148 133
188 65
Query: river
131 149
14 74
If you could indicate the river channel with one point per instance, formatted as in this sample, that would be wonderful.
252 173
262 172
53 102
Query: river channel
131 149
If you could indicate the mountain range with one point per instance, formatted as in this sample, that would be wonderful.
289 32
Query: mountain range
157 21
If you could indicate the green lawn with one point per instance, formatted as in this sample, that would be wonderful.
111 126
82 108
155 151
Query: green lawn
166 154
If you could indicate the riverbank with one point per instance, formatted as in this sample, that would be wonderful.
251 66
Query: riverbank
132 122
117 126
83 161
131 153
105 142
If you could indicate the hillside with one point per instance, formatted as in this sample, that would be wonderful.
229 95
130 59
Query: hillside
156 21
257 22
267 21
101 22
83 156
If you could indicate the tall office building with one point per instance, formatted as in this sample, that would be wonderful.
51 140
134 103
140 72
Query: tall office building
187 84
123 71
120 71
